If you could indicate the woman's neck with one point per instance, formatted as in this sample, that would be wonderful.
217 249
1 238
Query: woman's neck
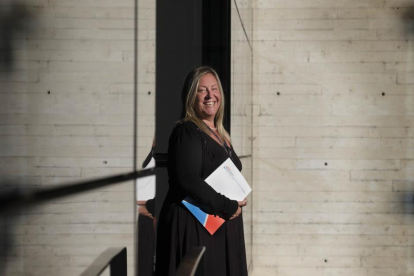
209 123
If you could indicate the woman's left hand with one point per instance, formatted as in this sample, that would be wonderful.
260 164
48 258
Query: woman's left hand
243 202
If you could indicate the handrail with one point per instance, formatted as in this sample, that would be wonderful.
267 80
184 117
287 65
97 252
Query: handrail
162 158
192 263
17 196
14 197
115 257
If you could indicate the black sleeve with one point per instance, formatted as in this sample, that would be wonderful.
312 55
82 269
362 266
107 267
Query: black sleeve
150 205
186 160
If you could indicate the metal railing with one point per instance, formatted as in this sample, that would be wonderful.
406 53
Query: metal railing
17 197
115 258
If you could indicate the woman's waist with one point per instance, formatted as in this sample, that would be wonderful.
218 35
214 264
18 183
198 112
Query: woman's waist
175 196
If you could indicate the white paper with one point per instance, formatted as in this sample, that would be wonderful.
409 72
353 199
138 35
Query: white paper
228 180
146 185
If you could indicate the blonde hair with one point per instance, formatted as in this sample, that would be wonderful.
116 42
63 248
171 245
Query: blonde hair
191 113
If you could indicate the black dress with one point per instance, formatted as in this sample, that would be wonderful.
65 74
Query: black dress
194 155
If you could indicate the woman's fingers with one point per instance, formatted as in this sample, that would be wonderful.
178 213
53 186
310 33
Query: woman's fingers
243 202
143 211
141 202
238 212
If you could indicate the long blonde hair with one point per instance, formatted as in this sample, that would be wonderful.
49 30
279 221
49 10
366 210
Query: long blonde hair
191 113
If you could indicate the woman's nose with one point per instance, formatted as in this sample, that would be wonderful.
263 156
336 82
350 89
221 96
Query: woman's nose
208 95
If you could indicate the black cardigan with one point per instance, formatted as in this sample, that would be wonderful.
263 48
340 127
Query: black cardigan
189 155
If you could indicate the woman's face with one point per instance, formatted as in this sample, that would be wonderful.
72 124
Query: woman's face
208 97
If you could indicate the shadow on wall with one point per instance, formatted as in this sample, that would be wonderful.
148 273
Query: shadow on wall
407 187
11 22
407 78
15 22
408 18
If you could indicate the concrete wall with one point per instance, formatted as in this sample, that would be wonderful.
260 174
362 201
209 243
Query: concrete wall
334 139
66 114
241 102
333 131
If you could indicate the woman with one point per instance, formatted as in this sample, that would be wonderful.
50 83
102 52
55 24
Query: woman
197 146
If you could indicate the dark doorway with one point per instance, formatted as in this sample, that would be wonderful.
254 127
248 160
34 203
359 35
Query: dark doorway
189 33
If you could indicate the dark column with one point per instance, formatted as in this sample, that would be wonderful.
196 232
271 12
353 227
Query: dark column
217 45
178 50
189 33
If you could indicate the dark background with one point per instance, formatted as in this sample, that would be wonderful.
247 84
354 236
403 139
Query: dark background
189 33
200 36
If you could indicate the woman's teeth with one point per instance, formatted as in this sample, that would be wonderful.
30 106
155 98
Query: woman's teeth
209 103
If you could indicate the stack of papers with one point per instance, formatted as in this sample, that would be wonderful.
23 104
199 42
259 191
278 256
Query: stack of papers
226 180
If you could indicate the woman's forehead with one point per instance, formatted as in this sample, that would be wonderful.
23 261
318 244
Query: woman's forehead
208 79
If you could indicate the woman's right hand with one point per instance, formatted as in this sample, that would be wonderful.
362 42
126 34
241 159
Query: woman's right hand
142 210
235 215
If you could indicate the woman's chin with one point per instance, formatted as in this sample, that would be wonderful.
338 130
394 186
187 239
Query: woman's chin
209 116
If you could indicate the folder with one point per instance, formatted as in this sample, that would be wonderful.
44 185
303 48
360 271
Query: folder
210 222
226 180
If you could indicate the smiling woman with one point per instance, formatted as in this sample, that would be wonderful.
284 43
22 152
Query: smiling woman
198 145
204 103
